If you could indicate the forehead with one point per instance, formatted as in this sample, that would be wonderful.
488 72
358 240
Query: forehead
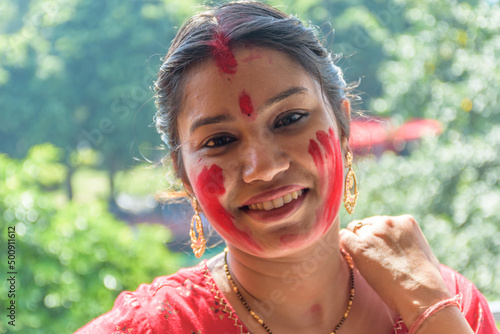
261 72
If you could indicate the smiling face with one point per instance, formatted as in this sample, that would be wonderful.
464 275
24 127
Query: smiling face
261 152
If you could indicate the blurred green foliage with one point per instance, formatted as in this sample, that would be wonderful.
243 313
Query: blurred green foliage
452 189
72 260
445 65
78 74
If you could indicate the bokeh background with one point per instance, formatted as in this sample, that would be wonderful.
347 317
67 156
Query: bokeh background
80 162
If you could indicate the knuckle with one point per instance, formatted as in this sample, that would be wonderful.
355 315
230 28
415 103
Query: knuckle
382 221
389 221
409 219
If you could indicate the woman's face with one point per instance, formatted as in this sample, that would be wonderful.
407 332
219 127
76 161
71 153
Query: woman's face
261 151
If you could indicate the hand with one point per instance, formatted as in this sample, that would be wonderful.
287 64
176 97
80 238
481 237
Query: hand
393 256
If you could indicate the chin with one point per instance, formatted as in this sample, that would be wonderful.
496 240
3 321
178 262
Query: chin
286 242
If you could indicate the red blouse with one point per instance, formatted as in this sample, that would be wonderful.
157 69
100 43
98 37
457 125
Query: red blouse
190 302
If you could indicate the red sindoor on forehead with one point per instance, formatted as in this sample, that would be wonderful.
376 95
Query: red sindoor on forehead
246 106
223 54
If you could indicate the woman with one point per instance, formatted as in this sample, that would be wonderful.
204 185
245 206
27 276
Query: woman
257 118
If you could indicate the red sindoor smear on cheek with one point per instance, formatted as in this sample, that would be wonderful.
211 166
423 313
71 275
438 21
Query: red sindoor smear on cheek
328 160
246 106
223 54
209 186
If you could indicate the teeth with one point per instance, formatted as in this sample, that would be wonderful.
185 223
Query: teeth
287 198
277 202
268 205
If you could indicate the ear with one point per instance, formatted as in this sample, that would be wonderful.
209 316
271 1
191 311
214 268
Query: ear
346 108
181 172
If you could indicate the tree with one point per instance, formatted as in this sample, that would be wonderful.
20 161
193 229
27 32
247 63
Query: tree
71 260
78 74
443 66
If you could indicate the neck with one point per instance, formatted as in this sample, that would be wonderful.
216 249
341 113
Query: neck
308 289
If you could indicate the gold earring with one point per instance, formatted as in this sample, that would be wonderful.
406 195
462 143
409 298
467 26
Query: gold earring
197 244
350 182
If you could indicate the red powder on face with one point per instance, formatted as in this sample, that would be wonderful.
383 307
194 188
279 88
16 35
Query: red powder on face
223 54
316 308
329 163
246 106
208 187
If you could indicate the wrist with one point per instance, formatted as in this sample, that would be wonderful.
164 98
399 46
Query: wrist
432 310
420 291
411 311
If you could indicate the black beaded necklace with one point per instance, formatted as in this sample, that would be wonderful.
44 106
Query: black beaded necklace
261 322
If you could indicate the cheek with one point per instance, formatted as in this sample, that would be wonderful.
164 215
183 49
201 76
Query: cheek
327 157
209 187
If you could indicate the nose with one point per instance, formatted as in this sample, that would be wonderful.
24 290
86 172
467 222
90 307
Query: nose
263 160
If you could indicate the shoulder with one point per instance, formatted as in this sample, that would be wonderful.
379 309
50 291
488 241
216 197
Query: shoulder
181 303
473 305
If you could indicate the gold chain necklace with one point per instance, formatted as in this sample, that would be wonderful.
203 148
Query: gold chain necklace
261 322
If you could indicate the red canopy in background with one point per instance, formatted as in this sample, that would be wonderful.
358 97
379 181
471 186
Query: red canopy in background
376 135
418 128
370 136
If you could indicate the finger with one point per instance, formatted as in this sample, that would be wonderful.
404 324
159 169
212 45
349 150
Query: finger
408 221
352 224
417 235
356 226
352 244
377 220
381 225
348 240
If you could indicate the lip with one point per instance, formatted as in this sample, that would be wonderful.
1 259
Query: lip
279 213
273 194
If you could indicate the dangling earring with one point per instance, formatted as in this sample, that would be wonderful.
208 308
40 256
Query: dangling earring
197 244
350 182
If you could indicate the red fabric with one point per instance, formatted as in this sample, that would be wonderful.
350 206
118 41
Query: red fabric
190 302
186 302
473 305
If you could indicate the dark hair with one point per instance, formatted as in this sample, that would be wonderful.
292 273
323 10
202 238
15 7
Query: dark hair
242 23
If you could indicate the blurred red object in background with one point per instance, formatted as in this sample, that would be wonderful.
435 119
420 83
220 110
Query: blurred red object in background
376 135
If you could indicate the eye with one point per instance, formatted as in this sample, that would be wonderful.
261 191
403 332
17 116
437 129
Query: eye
219 141
290 119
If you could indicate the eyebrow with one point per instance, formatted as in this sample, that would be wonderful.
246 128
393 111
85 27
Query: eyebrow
228 118
283 95
210 120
